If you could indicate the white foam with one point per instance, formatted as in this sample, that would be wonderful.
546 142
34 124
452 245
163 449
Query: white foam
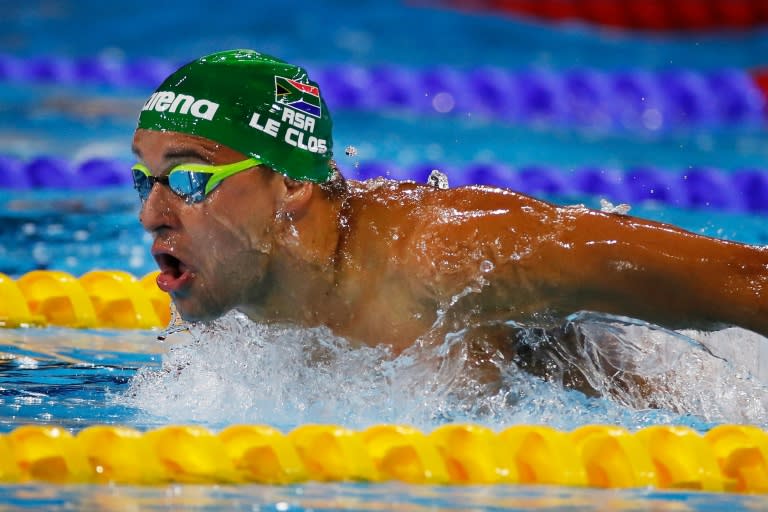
237 371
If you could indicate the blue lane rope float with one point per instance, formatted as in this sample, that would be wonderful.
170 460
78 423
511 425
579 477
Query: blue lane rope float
595 99
743 190
57 173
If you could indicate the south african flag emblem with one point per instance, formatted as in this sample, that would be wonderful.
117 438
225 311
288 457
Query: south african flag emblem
297 95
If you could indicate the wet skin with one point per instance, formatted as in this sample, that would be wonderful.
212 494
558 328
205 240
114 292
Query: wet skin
376 264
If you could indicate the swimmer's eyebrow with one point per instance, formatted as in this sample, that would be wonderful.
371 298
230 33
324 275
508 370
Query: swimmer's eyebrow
176 155
185 154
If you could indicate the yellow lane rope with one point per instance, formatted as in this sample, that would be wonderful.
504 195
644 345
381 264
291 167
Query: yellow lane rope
728 458
99 298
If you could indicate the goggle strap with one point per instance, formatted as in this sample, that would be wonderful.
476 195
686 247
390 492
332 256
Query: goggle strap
227 171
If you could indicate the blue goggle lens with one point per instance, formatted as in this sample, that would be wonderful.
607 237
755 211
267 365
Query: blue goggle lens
190 185
143 184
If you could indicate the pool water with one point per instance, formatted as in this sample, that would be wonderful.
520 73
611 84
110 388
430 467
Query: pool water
324 497
236 371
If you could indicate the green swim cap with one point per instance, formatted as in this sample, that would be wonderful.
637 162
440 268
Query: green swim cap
253 103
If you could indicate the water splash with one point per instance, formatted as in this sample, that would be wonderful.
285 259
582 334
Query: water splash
175 324
648 366
234 370
608 207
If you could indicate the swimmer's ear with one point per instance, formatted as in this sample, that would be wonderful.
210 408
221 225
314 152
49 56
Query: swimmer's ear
295 196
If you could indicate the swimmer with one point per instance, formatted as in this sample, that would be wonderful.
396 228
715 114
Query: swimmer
248 211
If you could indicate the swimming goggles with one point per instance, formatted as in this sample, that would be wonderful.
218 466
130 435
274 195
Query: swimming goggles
193 182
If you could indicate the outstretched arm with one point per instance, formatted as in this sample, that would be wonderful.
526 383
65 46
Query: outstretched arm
496 253
655 272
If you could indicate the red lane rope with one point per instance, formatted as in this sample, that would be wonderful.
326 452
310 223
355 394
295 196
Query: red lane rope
658 15
760 78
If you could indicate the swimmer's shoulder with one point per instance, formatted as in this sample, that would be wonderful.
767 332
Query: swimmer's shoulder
409 194
440 218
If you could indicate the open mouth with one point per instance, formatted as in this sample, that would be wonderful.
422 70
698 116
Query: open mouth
174 274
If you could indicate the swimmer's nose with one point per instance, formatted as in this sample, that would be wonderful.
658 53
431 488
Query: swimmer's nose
159 210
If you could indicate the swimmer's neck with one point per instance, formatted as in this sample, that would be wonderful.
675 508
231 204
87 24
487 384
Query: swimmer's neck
302 281
326 273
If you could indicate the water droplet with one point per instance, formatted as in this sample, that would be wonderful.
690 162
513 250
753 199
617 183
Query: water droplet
443 102
438 179
486 266
652 119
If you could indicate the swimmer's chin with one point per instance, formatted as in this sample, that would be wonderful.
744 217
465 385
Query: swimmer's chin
195 314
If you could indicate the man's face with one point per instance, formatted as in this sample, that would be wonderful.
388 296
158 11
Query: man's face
213 255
